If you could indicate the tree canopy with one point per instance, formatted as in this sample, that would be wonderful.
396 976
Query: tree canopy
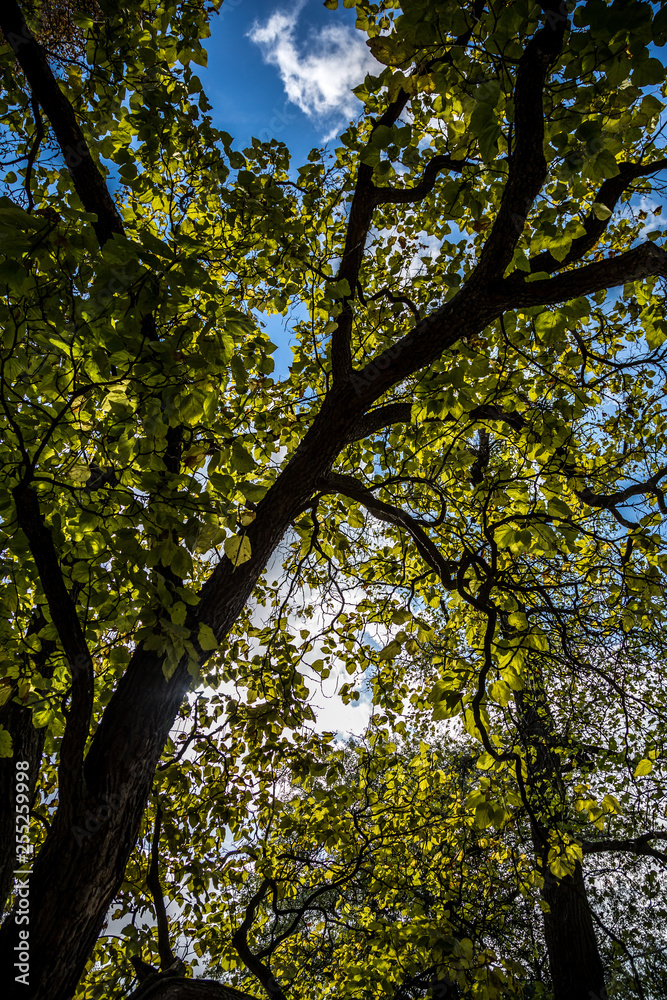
453 504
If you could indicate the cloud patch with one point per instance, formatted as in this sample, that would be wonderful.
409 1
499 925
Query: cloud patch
318 71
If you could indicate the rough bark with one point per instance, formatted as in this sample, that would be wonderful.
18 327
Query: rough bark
576 968
28 744
165 987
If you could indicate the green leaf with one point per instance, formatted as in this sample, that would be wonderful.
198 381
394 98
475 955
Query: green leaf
513 679
392 51
648 72
207 639
601 211
5 743
605 164
500 692
560 248
242 460
390 651
79 473
237 549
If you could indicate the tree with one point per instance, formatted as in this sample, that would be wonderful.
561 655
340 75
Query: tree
152 468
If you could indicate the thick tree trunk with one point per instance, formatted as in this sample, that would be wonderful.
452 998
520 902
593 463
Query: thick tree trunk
27 743
575 965
81 863
576 968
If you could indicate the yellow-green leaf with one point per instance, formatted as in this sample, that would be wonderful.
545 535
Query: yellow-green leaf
237 549
643 767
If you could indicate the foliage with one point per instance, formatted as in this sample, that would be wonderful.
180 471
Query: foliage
454 500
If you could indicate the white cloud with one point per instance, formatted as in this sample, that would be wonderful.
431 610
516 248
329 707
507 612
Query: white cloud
317 72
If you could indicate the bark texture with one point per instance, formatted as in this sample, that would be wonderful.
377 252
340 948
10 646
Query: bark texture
165 987
576 968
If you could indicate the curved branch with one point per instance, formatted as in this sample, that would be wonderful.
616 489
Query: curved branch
610 501
363 205
386 292
72 639
89 181
358 226
349 487
638 845
402 196
167 957
240 940
608 195
527 163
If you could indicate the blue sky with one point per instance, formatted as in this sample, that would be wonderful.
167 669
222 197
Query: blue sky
284 70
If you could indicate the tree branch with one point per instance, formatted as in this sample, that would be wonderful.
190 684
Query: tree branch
609 501
387 292
250 960
361 214
641 262
379 419
402 196
89 181
528 165
608 195
167 957
349 487
72 639
359 223
34 148
383 417
638 845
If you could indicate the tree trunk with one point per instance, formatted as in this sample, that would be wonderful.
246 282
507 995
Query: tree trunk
27 745
80 866
576 968
575 965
